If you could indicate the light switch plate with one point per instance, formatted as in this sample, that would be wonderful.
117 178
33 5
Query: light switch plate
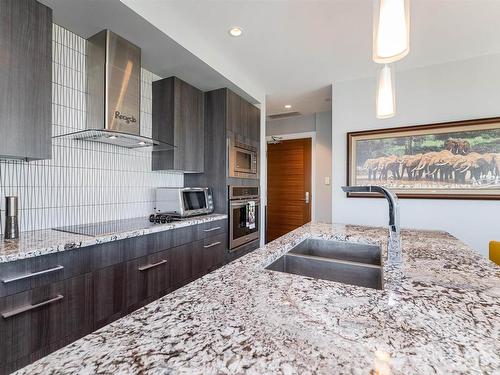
327 180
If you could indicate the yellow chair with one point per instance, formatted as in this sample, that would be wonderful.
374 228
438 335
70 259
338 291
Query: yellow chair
495 252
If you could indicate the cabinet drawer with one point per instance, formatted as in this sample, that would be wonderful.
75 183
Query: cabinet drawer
184 235
33 272
146 279
213 228
33 320
214 249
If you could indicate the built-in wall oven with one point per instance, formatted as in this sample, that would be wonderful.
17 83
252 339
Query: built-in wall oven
243 160
244 209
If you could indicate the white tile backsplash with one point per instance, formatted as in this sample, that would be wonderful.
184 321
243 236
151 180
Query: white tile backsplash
84 181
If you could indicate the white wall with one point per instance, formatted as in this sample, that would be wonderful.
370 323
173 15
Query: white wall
291 125
458 90
320 124
323 166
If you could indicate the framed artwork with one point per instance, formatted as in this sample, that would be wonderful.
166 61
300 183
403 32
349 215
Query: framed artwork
455 160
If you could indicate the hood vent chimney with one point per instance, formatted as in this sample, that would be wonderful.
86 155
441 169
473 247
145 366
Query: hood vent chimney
114 93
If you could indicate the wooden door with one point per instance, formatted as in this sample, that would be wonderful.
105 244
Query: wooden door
288 185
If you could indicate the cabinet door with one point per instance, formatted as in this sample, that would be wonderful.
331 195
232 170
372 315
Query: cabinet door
26 80
214 249
146 279
254 123
184 263
108 291
233 112
39 318
178 118
189 128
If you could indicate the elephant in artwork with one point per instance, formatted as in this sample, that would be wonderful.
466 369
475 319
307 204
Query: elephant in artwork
439 165
408 164
457 146
423 165
389 164
371 165
473 163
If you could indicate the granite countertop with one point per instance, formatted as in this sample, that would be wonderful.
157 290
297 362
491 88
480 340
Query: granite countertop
41 242
441 316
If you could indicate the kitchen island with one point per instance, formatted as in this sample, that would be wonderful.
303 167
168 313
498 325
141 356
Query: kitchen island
441 315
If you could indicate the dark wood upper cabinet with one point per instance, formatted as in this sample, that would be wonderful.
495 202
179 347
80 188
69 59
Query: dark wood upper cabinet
178 120
25 80
243 118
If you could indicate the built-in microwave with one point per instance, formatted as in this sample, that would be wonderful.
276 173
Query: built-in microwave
243 160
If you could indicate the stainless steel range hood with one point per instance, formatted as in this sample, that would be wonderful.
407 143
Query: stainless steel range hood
114 93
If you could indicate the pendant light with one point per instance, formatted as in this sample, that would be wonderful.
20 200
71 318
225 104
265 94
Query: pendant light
391 30
385 103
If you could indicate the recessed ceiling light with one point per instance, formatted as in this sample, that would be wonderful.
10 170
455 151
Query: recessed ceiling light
142 143
288 106
235 31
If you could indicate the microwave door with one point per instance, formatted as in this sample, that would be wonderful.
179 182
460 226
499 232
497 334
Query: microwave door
243 161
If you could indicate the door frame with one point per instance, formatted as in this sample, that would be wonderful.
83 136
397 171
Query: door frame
287 137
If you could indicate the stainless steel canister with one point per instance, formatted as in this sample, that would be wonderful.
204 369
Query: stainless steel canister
11 218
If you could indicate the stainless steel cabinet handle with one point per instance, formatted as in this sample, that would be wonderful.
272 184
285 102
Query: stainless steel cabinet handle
152 265
212 244
33 274
211 229
23 309
307 197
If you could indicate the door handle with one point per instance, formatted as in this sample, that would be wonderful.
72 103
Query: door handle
33 274
307 197
211 245
149 266
23 309
211 229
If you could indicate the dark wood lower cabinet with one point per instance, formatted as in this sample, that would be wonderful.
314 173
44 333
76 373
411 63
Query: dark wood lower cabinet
38 318
147 278
108 287
214 249
96 286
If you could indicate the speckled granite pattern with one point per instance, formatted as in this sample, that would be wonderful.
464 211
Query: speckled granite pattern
442 316
41 242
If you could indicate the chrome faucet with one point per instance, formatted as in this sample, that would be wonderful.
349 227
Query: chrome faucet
394 255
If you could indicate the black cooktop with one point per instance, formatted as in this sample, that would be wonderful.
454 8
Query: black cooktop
109 227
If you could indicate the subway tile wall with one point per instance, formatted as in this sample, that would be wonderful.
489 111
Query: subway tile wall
84 181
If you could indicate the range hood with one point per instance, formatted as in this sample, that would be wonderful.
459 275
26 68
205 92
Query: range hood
114 94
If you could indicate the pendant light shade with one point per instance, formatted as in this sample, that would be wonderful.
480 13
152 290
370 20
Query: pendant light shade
386 103
391 30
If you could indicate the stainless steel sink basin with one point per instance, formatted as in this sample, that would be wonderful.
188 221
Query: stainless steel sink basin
344 262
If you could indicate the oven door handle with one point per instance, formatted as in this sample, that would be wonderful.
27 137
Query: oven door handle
244 203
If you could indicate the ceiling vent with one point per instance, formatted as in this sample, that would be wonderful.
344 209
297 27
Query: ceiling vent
283 115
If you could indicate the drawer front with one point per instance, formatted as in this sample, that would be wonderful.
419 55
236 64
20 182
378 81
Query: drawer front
36 319
184 235
146 279
214 249
42 270
213 228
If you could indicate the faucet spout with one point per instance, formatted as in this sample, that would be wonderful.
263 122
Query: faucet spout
394 255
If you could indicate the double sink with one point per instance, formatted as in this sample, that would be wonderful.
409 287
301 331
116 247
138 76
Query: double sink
345 262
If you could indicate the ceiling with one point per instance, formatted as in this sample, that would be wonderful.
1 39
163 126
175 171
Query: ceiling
160 54
294 50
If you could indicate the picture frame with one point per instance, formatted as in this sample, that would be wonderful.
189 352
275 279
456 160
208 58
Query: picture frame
449 160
